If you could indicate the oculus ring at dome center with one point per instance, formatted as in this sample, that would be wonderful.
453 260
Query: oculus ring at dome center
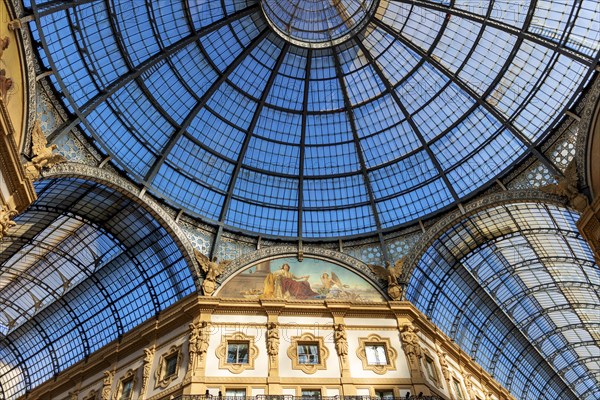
318 23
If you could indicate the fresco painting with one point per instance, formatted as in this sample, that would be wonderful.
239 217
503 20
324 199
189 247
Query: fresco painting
290 279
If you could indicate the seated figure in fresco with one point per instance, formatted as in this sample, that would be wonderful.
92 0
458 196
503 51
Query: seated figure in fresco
283 284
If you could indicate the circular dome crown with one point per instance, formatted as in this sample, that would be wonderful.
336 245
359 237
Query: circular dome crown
317 119
317 23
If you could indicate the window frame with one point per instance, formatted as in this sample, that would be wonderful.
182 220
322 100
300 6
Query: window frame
222 352
161 376
390 353
237 343
304 339
130 377
315 353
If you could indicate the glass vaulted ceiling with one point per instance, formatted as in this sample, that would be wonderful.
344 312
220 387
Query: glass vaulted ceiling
326 120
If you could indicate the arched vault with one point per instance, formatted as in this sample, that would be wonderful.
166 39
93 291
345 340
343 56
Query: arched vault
85 264
516 286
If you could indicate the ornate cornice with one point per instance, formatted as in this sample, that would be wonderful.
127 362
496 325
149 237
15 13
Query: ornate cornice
29 69
450 219
112 180
583 138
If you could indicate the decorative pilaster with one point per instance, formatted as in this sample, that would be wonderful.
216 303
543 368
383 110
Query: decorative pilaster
107 384
146 369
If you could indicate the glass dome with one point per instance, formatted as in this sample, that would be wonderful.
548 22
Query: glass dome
317 119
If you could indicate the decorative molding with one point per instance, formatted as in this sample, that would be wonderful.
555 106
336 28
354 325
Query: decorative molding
131 374
391 354
308 338
162 379
273 344
411 345
147 367
107 384
428 357
236 337
584 136
24 37
198 345
112 180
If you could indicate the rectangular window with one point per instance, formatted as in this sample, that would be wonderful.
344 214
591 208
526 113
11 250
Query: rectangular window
308 353
235 393
376 354
431 369
385 394
311 393
457 390
237 353
126 389
171 365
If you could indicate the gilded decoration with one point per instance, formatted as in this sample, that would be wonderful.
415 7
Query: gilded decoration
390 353
394 276
147 367
42 155
272 342
568 187
411 345
162 379
223 350
198 344
6 222
341 342
308 339
310 252
130 375
212 269
107 384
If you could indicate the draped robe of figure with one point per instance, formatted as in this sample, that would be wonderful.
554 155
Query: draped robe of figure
282 281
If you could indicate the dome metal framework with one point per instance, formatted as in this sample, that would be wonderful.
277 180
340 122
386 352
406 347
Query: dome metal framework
413 106
85 265
516 287
379 114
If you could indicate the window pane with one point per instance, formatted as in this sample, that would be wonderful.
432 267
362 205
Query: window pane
308 353
311 393
459 394
376 354
171 364
235 392
237 353
127 386
384 394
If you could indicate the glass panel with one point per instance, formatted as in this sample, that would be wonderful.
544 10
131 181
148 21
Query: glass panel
127 389
376 354
171 364
308 353
314 393
237 353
